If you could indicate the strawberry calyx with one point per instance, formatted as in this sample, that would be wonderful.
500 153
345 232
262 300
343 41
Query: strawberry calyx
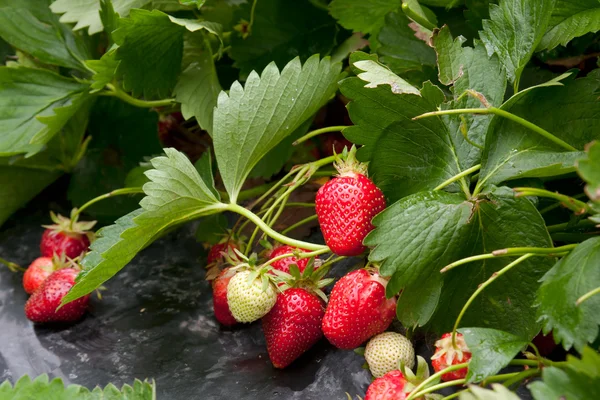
62 262
70 227
445 347
373 270
311 279
348 165
240 262
414 379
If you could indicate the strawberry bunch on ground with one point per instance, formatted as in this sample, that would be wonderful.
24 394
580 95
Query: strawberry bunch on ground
346 205
66 236
448 353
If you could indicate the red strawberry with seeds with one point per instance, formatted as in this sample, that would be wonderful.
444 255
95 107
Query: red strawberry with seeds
42 305
446 354
215 254
284 263
66 237
357 309
293 325
37 272
220 306
346 205
388 387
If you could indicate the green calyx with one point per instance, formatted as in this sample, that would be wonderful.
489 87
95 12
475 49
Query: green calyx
347 164
414 379
311 279
67 225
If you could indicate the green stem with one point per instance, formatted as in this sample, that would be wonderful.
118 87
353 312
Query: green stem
307 205
480 289
299 223
116 192
556 205
299 256
458 176
274 187
317 132
275 217
501 113
434 377
576 237
332 261
513 251
250 193
272 233
455 395
439 386
522 376
529 363
567 225
588 295
252 12
119 93
11 265
577 206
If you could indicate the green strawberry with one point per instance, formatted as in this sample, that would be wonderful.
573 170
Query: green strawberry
250 296
385 351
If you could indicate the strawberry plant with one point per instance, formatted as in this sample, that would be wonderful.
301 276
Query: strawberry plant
467 184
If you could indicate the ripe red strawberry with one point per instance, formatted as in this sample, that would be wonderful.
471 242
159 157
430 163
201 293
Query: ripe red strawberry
545 343
64 237
446 355
284 263
220 306
41 306
346 205
215 253
37 272
388 387
357 309
293 325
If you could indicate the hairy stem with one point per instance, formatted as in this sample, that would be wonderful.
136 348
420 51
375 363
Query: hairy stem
116 192
577 206
586 296
317 132
457 177
115 91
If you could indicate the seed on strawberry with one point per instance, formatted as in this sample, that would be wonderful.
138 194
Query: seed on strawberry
388 387
293 325
446 355
220 306
357 309
284 263
37 272
346 205
42 305
64 237
250 296
385 351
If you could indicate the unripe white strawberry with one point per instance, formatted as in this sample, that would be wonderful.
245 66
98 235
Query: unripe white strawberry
249 298
386 350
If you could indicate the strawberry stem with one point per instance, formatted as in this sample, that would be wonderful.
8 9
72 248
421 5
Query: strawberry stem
577 206
587 296
115 91
317 132
117 192
11 265
480 289
437 387
434 377
457 177
299 223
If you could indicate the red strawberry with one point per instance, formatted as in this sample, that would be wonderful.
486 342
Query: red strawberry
446 355
220 306
388 387
215 253
346 205
64 237
42 305
293 325
40 269
284 263
357 309
544 343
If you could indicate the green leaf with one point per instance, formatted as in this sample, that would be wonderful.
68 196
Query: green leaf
30 26
579 380
498 392
196 3
571 19
570 112
251 120
420 234
513 32
175 194
204 168
362 16
34 105
198 89
42 388
400 48
589 170
467 68
417 302
151 48
85 13
491 351
376 74
282 30
420 14
104 69
212 228
572 277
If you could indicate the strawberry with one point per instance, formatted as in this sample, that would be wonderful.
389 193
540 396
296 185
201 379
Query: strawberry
357 309
293 325
346 205
385 351
388 387
446 355
215 254
42 305
66 237
220 306
545 343
36 273
250 295
284 263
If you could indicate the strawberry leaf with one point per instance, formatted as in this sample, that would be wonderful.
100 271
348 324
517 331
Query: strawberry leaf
42 388
579 380
589 170
571 112
498 392
30 26
572 277
251 120
570 19
34 105
513 32
491 351
175 194
85 13
361 16
104 69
